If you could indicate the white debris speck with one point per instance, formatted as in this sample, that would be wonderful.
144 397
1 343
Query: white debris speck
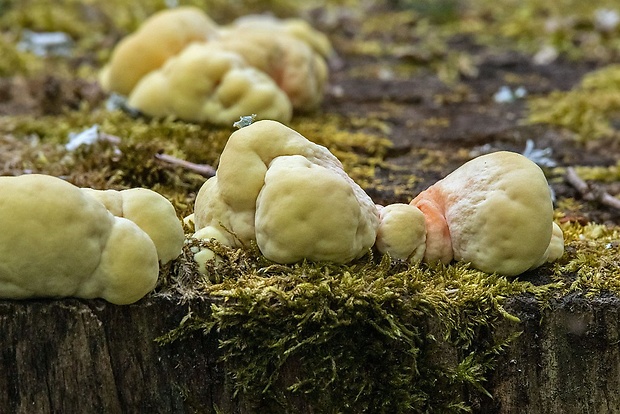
546 55
244 121
87 137
46 43
506 95
606 20
541 156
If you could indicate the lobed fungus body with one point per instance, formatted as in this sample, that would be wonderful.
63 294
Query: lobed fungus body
59 241
291 196
402 232
208 83
163 35
495 211
151 211
290 59
181 64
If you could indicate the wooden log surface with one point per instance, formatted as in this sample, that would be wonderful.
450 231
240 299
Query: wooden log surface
79 356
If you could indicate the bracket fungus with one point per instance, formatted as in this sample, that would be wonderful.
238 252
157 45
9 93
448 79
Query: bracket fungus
495 212
289 195
180 63
59 241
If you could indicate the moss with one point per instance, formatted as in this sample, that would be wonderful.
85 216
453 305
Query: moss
358 337
566 25
599 173
375 335
15 62
588 110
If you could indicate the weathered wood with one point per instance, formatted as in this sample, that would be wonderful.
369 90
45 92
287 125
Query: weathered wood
70 356
566 361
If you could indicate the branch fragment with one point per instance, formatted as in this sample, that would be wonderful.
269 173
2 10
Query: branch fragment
591 192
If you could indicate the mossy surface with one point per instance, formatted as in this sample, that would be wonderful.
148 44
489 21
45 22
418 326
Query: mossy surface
375 335
589 110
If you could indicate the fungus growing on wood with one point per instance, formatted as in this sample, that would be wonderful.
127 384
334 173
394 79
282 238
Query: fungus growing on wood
181 64
291 196
163 35
59 241
495 211
206 82
151 211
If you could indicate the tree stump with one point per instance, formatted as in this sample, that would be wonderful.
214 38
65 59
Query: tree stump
78 356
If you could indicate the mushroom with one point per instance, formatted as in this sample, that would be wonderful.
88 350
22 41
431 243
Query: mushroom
402 232
163 35
205 82
295 27
288 194
151 211
495 212
292 63
57 241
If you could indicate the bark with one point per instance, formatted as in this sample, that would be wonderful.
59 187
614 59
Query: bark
77 356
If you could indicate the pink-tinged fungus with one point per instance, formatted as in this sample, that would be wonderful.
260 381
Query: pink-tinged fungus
57 241
496 212
207 83
163 35
291 196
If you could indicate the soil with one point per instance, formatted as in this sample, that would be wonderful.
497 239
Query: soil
434 126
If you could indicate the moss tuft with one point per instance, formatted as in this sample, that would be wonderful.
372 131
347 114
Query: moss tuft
588 110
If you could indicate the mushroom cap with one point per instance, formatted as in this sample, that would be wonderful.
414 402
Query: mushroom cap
151 211
56 242
234 201
495 211
160 37
402 232
208 83
308 211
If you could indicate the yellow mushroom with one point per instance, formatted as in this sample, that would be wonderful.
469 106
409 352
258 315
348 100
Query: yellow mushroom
163 35
495 211
207 83
57 241
291 196
151 211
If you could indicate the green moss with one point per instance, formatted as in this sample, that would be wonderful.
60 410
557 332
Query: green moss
374 335
566 25
15 62
587 110
597 173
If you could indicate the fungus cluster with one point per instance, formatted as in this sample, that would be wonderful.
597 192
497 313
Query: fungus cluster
180 63
58 240
287 194
293 198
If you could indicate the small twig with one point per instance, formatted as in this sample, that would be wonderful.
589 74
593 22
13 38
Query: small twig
202 169
591 192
